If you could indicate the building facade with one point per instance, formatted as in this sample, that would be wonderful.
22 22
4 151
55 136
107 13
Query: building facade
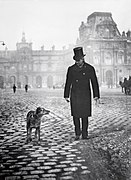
37 68
106 49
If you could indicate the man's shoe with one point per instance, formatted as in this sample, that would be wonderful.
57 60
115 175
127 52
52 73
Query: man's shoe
85 137
77 138
80 133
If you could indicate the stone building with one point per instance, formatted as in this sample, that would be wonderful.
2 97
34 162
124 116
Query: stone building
37 68
106 48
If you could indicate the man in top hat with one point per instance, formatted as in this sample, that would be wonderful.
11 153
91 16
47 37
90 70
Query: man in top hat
77 91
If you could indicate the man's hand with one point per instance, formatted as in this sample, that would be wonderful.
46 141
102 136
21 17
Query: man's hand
96 100
67 99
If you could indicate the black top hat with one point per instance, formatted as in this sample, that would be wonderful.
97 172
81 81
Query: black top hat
78 53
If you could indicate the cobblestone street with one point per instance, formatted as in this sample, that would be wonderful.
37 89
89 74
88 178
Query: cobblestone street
57 156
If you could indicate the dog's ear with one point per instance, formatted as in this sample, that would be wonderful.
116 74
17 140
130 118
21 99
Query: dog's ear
38 110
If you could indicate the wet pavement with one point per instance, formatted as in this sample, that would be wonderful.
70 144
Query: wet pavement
57 156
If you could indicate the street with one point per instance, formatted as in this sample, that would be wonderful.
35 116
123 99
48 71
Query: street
57 156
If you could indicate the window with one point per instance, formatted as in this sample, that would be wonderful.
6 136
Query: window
13 69
96 58
120 58
25 68
108 58
44 67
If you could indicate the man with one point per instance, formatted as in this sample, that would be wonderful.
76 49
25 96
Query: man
26 88
78 89
14 88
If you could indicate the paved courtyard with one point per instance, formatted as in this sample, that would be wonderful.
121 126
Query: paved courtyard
57 156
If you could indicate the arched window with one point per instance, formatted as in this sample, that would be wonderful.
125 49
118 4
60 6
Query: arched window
106 34
38 81
50 81
96 58
25 67
120 59
12 80
109 78
25 80
13 69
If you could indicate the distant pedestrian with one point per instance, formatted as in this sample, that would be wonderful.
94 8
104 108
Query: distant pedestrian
26 88
122 86
125 85
14 88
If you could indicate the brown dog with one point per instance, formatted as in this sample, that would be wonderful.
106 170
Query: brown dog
34 121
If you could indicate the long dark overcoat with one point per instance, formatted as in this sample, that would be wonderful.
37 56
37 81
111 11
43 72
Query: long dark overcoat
78 88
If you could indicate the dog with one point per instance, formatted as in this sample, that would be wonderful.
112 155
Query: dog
33 120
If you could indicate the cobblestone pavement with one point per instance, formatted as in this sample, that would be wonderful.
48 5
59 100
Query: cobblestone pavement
57 156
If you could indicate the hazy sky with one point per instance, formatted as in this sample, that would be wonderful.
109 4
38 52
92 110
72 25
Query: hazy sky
54 22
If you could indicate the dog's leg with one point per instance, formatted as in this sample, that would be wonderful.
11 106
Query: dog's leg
30 132
27 134
38 133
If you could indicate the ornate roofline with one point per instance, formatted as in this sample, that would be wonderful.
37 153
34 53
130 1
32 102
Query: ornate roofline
100 14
